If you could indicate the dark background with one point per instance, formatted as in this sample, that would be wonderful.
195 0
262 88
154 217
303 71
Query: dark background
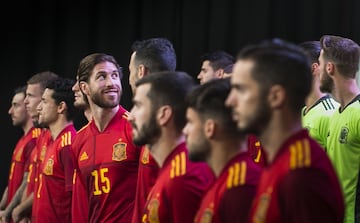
56 35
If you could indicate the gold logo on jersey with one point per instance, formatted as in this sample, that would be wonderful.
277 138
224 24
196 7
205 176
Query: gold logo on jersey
48 170
119 151
207 216
153 208
145 159
262 207
84 156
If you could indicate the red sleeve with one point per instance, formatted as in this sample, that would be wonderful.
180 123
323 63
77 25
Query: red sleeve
235 204
67 160
27 153
303 197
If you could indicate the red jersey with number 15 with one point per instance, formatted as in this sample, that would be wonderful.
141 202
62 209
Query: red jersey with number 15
107 166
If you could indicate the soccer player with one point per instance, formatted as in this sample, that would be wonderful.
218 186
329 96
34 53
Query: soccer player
212 136
213 65
79 213
36 85
19 169
158 116
53 195
319 107
270 83
339 62
106 158
149 55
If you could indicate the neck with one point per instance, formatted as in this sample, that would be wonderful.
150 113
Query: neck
167 142
57 127
345 90
280 128
222 152
28 125
102 116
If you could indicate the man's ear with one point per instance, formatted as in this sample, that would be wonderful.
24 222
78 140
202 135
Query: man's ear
164 114
84 88
209 128
220 73
142 71
62 107
276 96
330 68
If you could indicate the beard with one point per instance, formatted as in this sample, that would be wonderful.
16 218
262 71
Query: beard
326 83
260 119
148 133
200 150
102 102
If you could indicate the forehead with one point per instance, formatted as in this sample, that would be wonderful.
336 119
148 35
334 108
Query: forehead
242 71
47 93
105 66
34 89
18 97
192 114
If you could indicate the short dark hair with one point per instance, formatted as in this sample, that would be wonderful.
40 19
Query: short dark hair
218 59
278 62
20 89
156 54
169 88
343 52
208 100
62 88
312 49
42 78
88 63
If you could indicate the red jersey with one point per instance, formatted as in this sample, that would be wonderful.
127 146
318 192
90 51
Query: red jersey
229 198
36 157
178 190
20 160
147 174
255 150
53 196
107 166
299 186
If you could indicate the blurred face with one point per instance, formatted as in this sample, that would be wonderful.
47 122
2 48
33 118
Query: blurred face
104 86
79 97
196 141
326 83
250 109
32 100
133 76
18 111
48 109
143 118
207 72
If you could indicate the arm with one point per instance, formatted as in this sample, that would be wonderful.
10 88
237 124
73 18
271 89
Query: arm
6 214
4 199
23 208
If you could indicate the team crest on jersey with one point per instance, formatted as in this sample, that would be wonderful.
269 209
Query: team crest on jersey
153 208
119 151
145 156
262 208
48 170
343 135
207 216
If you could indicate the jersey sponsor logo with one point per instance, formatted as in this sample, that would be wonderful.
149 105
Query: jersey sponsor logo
262 207
153 210
84 156
343 135
236 175
48 169
207 215
119 151
145 159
